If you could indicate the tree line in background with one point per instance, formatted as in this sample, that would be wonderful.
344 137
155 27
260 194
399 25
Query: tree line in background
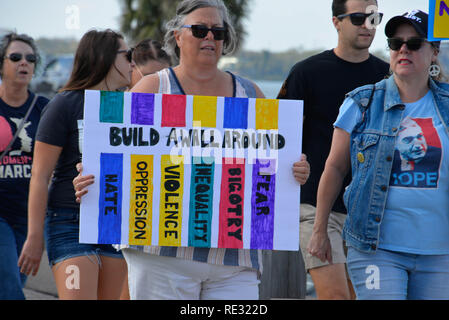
143 19
258 65
273 66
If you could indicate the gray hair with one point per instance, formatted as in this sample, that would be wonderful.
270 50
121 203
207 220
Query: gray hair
185 8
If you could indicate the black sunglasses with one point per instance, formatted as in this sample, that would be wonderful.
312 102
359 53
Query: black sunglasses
129 54
412 44
201 31
359 18
16 57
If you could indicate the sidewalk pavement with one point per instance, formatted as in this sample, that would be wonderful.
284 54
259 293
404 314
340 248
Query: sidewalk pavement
43 287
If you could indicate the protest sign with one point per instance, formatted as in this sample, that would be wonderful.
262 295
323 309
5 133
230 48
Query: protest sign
438 20
174 170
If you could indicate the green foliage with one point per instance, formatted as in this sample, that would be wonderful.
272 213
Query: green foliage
147 18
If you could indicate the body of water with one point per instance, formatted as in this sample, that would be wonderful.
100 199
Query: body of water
269 88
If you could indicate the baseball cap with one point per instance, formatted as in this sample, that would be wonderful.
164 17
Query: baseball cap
416 18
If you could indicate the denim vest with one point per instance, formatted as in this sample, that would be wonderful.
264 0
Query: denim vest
372 151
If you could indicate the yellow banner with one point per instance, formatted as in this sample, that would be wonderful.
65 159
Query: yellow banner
141 200
267 114
205 111
441 26
172 186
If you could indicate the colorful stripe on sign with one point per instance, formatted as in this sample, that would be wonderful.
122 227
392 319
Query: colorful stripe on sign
173 111
172 189
111 107
142 109
110 202
141 200
236 113
262 204
205 111
230 234
201 202
267 114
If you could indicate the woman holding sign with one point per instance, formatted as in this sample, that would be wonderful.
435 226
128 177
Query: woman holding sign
199 34
82 271
395 137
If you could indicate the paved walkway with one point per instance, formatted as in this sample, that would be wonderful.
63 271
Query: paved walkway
43 287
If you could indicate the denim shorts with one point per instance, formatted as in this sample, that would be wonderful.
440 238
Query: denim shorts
62 238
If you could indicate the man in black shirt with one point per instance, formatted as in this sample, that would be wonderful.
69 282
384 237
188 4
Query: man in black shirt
322 82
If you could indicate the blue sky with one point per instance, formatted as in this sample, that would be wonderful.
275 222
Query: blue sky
272 25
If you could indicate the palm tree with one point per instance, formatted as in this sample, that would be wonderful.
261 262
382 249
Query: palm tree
147 18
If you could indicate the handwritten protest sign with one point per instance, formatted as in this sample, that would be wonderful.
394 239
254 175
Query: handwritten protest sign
438 20
174 170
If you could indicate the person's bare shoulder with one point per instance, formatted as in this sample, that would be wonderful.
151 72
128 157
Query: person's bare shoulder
259 93
148 84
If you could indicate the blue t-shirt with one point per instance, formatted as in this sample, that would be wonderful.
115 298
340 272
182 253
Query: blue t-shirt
416 217
15 166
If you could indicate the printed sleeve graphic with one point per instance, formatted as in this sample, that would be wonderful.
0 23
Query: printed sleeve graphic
417 156
25 140
16 164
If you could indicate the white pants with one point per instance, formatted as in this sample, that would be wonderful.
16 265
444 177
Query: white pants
152 277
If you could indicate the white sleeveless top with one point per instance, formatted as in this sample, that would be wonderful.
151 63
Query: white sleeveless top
169 84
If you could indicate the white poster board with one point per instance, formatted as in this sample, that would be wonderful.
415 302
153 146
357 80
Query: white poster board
175 170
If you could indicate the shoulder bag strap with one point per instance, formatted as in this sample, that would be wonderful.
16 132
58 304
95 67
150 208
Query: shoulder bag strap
20 127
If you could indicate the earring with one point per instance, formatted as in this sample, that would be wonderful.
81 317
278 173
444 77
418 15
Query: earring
434 70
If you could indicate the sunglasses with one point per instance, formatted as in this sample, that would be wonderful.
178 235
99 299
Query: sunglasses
201 31
16 57
129 54
412 44
359 18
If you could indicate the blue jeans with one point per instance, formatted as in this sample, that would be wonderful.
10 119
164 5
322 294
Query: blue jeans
12 280
388 275
62 238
